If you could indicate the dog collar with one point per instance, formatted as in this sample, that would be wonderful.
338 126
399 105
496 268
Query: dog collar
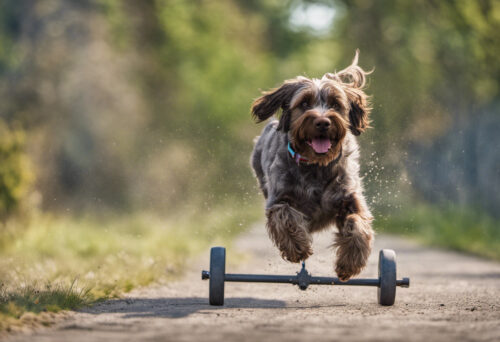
298 158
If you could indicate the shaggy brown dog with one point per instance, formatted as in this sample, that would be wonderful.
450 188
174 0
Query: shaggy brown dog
307 165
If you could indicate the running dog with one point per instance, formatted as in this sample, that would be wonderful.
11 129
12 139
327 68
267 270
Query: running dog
307 165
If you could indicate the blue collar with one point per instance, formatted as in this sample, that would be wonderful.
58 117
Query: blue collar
295 155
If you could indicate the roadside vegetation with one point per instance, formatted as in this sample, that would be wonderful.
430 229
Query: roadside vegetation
466 230
63 263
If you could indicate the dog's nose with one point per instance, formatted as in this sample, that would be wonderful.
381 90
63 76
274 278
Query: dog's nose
322 124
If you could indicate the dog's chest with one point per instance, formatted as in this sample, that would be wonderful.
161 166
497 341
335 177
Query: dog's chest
309 187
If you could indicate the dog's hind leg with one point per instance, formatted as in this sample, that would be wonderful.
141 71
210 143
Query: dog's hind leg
287 228
354 238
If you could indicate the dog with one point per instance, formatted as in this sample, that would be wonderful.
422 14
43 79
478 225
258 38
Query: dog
307 165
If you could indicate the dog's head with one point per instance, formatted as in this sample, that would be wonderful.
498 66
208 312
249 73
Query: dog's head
317 114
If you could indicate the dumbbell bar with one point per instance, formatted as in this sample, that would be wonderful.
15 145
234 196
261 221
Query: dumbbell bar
303 280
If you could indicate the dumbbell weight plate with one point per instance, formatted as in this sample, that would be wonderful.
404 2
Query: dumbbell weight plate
217 274
387 275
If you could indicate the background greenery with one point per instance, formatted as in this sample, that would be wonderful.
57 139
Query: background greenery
125 129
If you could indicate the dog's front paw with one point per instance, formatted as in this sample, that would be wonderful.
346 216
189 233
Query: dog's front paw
346 269
353 244
295 250
287 228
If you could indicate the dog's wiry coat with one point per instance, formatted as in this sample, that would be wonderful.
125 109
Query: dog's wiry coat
303 198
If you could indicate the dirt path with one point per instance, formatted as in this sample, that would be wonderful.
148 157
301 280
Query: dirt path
452 297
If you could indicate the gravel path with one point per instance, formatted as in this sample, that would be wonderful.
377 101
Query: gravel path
452 297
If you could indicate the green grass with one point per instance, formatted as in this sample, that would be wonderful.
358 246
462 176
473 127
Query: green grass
54 263
466 230
18 306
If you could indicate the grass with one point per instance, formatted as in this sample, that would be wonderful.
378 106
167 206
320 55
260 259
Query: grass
54 263
33 305
460 229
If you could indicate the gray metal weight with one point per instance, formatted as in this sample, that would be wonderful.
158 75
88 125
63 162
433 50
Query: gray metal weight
386 283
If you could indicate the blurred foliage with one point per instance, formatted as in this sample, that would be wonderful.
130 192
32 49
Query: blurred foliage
150 112
134 105
451 227
435 63
15 171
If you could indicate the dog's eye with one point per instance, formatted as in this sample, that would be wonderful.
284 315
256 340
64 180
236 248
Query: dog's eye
304 104
335 106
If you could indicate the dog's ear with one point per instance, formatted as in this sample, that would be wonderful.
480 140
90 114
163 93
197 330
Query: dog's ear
354 79
359 111
271 101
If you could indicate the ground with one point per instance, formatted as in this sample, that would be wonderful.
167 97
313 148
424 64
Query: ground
452 297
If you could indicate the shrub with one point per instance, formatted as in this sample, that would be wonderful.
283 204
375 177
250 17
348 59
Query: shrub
15 173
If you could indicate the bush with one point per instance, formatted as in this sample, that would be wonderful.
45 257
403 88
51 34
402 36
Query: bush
15 174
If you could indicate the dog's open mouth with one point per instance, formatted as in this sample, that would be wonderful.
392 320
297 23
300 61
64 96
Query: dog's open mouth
320 145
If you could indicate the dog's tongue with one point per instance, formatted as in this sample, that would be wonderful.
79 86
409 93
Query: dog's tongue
321 145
